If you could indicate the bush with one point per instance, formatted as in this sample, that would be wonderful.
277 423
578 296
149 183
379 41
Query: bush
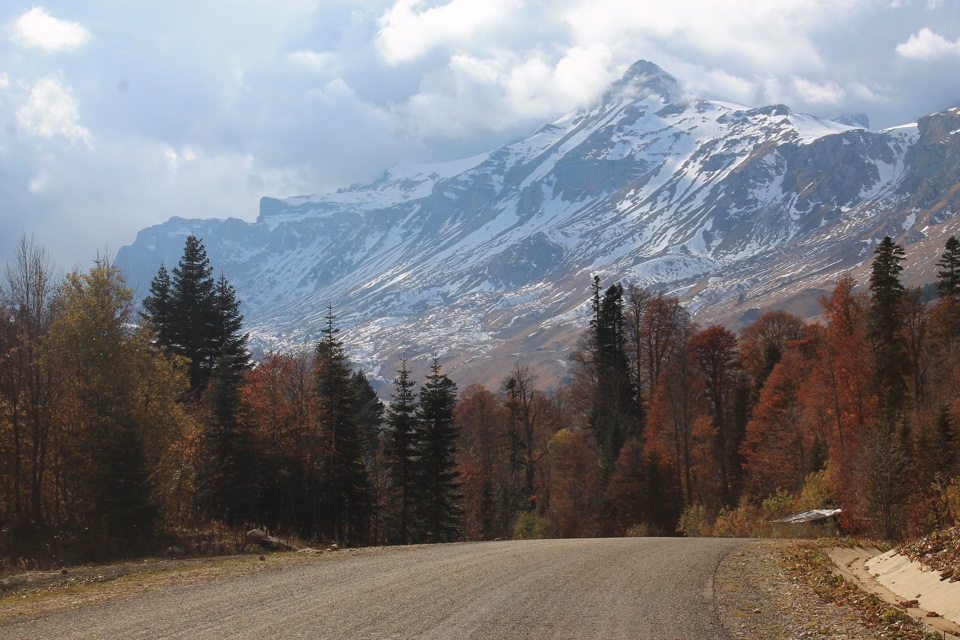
694 522
532 526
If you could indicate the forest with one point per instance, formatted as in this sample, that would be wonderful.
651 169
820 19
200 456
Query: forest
123 431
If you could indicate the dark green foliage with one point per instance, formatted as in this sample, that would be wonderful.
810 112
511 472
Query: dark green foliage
198 318
232 358
227 476
158 306
884 325
438 509
193 328
615 416
346 486
948 277
124 501
400 452
369 411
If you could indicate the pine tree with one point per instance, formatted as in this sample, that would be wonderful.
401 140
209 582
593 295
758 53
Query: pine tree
369 411
615 416
228 470
400 451
233 358
198 318
438 487
193 330
346 484
158 306
948 278
884 325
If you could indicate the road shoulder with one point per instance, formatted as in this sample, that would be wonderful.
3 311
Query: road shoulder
757 598
897 580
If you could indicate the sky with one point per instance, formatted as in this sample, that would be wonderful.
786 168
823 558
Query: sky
117 115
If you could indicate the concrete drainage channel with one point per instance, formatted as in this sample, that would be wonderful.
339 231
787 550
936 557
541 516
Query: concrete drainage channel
897 580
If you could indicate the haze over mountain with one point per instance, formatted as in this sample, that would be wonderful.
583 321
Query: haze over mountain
738 209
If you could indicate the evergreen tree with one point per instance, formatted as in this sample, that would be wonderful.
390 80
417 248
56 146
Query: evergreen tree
198 318
948 278
233 358
193 331
400 451
438 487
158 306
369 411
615 416
884 325
228 470
346 485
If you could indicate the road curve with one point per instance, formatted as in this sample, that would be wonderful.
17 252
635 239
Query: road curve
596 588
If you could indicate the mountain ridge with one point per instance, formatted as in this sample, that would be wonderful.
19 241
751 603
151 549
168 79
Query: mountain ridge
477 261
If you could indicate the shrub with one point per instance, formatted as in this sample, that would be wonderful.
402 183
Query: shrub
532 526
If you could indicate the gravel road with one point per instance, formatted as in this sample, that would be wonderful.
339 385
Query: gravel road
600 588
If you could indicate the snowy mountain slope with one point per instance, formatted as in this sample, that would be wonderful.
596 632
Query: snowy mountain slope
476 261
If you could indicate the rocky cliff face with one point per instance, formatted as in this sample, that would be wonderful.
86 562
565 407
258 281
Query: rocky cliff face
736 208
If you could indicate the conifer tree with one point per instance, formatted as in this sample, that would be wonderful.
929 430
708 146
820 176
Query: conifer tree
193 331
232 358
369 411
884 325
948 277
226 478
614 417
400 450
158 306
346 484
198 318
438 487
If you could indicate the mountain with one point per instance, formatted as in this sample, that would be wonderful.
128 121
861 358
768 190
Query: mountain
737 209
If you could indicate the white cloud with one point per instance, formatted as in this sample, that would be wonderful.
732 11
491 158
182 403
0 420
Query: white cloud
4 80
37 29
826 93
408 31
52 111
313 60
928 45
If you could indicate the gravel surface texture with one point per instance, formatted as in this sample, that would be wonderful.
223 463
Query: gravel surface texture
612 588
607 588
758 599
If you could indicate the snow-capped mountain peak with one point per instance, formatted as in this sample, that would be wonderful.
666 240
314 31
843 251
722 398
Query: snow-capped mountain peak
479 260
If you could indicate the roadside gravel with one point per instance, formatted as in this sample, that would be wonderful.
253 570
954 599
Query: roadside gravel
758 599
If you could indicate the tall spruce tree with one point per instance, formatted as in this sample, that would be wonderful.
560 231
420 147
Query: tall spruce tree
400 451
228 466
158 306
438 487
229 340
884 325
948 277
193 331
346 484
615 416
198 318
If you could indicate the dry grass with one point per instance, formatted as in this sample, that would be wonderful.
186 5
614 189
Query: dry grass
808 561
